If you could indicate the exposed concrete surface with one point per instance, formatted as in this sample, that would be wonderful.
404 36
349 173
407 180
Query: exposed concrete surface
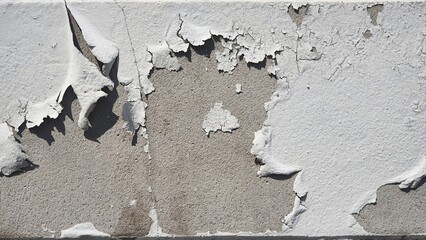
209 183
87 176
396 212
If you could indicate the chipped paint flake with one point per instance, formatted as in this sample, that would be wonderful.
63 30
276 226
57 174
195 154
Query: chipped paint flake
87 83
219 119
104 50
12 157
227 60
82 229
162 57
238 88
194 34
37 112
134 115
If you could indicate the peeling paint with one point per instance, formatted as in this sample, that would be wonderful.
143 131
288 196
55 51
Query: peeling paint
238 88
63 65
219 119
82 229
331 135
12 156
346 107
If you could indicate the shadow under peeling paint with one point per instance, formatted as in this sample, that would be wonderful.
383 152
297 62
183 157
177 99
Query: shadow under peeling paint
44 131
102 118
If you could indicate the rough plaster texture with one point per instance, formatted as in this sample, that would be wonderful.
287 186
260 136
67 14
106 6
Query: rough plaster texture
195 183
81 177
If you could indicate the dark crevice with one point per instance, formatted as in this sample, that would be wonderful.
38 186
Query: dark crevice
79 41
187 55
282 177
135 137
29 166
206 49
259 65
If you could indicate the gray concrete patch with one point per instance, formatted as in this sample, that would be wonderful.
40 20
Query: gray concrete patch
396 212
210 183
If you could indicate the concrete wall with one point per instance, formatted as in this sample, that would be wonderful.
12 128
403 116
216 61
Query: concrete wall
161 174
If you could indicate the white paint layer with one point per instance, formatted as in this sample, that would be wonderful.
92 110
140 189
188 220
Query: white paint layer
82 229
34 91
12 157
347 115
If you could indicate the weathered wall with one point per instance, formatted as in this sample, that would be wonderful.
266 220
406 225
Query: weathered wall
344 91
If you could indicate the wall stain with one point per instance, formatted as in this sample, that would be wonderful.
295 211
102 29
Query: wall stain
373 11
134 219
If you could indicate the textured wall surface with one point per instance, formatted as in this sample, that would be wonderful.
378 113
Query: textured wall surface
126 118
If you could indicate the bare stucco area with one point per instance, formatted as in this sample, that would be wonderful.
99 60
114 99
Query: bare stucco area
209 183
150 167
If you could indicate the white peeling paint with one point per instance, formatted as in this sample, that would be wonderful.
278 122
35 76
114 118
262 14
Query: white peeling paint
12 157
344 117
37 112
347 115
241 234
82 229
194 34
238 88
134 115
227 60
104 50
36 90
161 57
87 83
155 229
219 119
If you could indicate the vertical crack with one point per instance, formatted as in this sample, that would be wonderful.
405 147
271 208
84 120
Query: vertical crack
297 52
131 42
144 129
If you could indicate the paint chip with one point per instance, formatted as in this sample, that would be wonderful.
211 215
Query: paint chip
219 119
238 88
82 229
12 157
